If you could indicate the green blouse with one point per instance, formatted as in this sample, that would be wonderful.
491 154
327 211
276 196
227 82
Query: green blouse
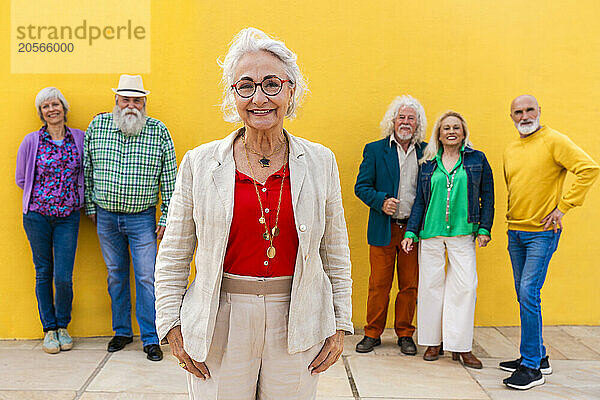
448 210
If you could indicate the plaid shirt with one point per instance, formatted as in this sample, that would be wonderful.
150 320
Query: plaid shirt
123 174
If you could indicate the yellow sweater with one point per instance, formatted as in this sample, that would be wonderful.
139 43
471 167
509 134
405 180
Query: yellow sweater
534 170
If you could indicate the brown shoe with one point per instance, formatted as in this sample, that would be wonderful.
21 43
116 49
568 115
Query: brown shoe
433 353
468 360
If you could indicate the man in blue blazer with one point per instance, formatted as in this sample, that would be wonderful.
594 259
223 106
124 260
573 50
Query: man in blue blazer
386 182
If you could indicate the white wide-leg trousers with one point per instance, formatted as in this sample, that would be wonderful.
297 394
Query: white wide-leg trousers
248 358
446 299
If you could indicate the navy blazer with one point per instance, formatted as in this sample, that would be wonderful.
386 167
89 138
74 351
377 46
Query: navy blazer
378 178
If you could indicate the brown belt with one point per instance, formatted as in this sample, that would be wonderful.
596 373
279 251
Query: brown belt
271 286
400 222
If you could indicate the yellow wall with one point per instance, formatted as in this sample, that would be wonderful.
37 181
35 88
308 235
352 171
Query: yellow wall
471 56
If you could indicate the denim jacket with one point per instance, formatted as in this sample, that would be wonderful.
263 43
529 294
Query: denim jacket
480 189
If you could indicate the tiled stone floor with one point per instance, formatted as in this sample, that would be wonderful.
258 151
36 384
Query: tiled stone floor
88 372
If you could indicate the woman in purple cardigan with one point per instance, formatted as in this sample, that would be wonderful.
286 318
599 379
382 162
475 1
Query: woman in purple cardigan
50 172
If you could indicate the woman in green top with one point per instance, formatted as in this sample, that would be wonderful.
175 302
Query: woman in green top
454 206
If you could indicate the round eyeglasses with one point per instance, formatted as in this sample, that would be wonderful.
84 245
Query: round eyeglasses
271 86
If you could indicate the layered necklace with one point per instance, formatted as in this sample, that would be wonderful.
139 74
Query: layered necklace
269 234
265 161
449 186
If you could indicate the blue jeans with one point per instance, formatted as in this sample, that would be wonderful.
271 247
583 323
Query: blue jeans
117 232
53 242
530 254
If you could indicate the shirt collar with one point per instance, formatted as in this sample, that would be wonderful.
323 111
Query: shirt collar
393 140
243 177
441 150
46 135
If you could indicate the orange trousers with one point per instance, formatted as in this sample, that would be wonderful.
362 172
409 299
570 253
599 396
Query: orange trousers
384 259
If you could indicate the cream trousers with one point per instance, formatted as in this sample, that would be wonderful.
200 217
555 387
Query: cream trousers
446 300
248 358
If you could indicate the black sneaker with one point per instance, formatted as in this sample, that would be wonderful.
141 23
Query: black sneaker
511 366
524 378
367 344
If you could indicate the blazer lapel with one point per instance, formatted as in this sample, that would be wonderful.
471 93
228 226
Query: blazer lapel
224 173
391 161
297 169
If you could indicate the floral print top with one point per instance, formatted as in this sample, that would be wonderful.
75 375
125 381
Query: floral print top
55 183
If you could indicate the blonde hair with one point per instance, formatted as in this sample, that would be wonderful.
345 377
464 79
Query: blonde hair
434 144
387 123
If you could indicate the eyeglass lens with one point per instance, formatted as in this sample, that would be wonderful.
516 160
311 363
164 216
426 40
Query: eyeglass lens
270 86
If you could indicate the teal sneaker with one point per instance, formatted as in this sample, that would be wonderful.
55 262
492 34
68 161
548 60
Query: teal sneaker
65 340
51 344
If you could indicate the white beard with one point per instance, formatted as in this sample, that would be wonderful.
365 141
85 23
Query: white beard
130 125
528 129
403 136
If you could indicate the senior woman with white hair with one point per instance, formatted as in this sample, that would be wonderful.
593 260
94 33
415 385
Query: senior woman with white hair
270 303
50 172
454 206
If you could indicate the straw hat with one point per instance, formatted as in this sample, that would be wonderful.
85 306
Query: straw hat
131 86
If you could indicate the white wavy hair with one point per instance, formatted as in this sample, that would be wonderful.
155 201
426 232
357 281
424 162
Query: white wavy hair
387 123
251 40
434 142
50 93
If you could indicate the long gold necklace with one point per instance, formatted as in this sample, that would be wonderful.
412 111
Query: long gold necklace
268 234
265 161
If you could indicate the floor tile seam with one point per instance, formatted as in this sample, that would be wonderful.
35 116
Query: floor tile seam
480 349
350 376
579 341
477 382
92 376
505 337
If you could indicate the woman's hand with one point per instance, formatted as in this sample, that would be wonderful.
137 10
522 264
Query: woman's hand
483 240
329 354
185 361
407 245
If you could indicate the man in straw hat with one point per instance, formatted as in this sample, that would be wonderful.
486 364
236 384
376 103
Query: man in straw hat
128 157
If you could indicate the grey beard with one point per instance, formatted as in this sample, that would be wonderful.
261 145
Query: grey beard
527 130
130 125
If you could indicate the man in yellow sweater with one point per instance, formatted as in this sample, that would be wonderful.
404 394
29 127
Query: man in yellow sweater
535 166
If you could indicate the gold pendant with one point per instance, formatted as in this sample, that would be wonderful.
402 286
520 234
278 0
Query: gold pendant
267 236
271 251
275 231
261 220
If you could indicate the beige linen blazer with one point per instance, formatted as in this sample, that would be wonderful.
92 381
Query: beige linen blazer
200 215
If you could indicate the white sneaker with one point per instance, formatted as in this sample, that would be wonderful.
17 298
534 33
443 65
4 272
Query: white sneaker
51 344
65 340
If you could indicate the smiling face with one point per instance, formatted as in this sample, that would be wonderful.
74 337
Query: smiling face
525 113
130 102
53 112
451 131
262 112
129 114
405 123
